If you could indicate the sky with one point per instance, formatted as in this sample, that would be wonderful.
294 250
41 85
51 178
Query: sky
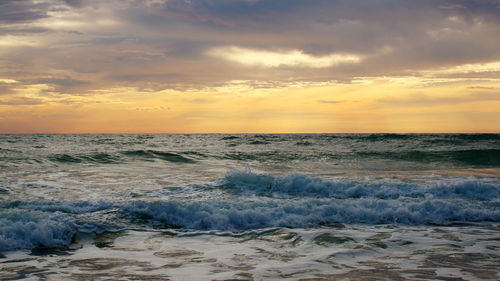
249 66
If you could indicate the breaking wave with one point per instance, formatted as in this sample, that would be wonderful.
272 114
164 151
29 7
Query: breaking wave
30 229
303 185
247 200
49 224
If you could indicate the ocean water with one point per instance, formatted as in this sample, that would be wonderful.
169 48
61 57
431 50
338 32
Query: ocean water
250 207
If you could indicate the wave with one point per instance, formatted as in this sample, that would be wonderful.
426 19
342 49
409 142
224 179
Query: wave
384 137
154 154
230 138
257 142
118 157
294 185
450 137
455 158
104 141
381 151
246 201
20 229
54 224
68 207
29 228
474 157
98 158
266 156
476 137
244 215
303 143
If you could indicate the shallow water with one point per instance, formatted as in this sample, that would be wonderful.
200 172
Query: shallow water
250 207
353 252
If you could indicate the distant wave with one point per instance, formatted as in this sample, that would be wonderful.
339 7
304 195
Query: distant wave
266 156
475 137
475 157
449 137
453 158
383 137
100 157
154 154
230 138
121 157
358 151
304 143
258 142
471 157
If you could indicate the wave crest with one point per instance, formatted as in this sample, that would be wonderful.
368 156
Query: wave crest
225 215
303 185
30 229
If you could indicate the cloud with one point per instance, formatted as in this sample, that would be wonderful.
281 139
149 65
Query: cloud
21 11
421 99
8 81
493 96
5 90
481 88
17 41
152 108
493 66
74 3
64 82
21 101
201 101
6 86
329 101
293 58
177 44
21 30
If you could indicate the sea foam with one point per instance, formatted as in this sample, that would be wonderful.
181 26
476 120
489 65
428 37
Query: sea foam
246 200
228 215
29 229
305 186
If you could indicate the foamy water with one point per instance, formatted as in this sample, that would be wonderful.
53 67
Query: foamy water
250 207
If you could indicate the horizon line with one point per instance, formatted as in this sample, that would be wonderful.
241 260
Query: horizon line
260 133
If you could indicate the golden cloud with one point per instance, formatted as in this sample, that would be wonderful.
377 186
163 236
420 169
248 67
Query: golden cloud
294 58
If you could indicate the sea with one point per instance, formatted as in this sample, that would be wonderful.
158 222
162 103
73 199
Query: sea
250 207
